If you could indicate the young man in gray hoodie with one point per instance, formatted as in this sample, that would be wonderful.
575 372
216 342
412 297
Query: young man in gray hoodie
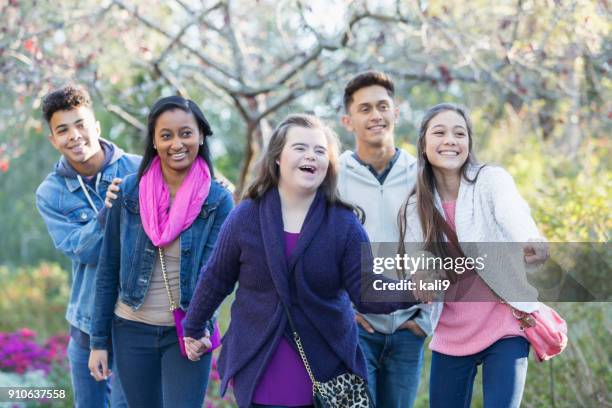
71 202
378 177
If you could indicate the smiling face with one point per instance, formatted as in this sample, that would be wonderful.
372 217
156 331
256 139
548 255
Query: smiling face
447 143
75 134
304 160
177 140
371 116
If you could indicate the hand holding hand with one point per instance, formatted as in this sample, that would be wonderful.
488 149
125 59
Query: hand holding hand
195 348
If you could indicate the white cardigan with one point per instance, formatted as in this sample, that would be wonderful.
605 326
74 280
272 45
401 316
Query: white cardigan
488 211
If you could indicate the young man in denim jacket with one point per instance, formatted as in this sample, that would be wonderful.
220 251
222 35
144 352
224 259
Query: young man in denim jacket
71 202
378 177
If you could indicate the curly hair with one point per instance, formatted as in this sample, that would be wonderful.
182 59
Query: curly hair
65 98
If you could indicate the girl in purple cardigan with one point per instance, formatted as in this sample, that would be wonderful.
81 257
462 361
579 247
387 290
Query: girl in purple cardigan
292 240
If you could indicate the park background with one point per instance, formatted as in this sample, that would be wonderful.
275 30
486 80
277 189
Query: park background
534 74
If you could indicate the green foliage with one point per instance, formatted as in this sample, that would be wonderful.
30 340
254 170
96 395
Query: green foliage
25 240
35 298
581 376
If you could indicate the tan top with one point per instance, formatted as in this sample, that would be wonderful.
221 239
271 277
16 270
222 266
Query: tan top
155 309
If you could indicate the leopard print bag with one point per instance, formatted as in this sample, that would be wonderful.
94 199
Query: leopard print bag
346 390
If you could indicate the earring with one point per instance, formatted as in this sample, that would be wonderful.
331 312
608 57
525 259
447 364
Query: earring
154 147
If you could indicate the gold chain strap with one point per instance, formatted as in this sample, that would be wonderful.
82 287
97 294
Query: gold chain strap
162 260
315 383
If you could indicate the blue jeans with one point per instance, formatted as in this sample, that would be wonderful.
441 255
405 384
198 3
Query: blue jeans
89 393
152 371
504 369
394 366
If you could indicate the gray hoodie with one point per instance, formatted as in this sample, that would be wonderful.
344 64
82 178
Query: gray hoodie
381 204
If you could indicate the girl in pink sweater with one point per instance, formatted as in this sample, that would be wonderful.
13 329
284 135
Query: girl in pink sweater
456 199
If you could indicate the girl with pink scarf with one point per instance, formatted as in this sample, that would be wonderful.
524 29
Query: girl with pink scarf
158 235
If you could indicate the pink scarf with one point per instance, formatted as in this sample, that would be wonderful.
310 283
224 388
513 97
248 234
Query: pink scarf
163 226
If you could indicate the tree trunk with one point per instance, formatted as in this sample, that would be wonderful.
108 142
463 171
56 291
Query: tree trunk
252 149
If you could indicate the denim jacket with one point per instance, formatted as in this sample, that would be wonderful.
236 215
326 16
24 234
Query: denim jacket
73 226
128 256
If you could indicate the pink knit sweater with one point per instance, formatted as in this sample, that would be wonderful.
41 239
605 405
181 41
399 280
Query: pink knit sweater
469 327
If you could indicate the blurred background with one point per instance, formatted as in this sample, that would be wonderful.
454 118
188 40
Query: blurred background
535 76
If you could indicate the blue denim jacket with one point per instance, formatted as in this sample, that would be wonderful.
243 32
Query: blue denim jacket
74 228
128 256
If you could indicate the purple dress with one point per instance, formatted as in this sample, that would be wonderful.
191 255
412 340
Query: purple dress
285 380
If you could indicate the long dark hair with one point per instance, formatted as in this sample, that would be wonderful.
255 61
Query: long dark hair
167 104
430 218
268 171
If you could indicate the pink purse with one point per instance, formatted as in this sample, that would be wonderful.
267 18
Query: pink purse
545 330
178 315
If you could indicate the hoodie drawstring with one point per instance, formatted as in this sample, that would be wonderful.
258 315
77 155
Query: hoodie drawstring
93 207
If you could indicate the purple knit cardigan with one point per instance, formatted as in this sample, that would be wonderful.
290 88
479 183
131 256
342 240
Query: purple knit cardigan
318 282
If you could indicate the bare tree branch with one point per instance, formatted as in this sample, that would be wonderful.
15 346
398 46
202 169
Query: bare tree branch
126 117
425 76
246 116
474 62
301 61
171 80
237 53
96 15
203 80
118 110
205 60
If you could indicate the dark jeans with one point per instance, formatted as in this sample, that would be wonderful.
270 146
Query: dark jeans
394 366
504 369
154 373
